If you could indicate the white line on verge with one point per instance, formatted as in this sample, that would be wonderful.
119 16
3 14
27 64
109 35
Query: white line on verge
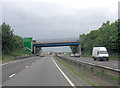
11 75
14 61
70 82
91 63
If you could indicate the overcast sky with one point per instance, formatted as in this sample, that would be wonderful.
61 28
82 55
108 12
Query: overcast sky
50 19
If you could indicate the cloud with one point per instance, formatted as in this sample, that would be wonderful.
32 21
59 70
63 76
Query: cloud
119 10
52 20
48 19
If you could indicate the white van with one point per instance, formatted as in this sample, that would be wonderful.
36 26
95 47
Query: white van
100 53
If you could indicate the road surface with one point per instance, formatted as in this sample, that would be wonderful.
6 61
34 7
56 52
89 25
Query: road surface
15 66
34 71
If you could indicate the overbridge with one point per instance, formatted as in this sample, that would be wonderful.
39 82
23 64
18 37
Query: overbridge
56 42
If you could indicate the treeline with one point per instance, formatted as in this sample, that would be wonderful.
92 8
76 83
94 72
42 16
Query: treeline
105 36
11 43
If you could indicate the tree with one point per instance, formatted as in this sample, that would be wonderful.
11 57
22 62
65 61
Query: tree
74 49
38 50
10 42
7 35
105 36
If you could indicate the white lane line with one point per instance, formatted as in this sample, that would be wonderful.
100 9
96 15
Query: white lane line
12 75
91 63
70 82
83 62
26 66
15 61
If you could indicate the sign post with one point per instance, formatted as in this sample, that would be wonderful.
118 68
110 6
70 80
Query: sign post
27 45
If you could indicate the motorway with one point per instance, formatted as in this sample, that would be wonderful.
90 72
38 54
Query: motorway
15 66
44 71
111 64
34 71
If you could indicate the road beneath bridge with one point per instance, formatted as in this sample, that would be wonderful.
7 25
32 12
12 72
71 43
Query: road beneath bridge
37 71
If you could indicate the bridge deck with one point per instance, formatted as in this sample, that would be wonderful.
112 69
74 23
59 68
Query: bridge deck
56 44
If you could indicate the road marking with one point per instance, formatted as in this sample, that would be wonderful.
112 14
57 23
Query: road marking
15 61
70 82
26 66
91 63
11 75
83 62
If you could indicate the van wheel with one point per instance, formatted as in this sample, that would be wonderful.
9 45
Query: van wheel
107 59
94 59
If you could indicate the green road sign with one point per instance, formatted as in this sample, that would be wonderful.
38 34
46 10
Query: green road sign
27 43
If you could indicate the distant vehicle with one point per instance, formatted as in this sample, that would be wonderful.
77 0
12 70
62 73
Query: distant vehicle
42 54
100 53
72 55
37 55
50 53
65 54
77 55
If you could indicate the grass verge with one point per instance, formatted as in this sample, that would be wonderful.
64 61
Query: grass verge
0 61
97 77
114 59
7 58
80 75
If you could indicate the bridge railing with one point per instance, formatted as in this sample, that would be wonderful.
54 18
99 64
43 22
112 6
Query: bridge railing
57 40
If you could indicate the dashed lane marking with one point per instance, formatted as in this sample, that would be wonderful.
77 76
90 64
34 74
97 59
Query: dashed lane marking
12 75
26 66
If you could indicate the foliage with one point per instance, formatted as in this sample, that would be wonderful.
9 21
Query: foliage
68 53
38 50
10 42
74 49
106 36
0 30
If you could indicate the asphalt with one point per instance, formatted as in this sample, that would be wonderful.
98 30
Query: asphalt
15 67
110 63
42 72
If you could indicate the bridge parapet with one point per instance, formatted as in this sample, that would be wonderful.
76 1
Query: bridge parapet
59 40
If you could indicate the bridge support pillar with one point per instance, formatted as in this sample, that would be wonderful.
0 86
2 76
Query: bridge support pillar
34 50
79 49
